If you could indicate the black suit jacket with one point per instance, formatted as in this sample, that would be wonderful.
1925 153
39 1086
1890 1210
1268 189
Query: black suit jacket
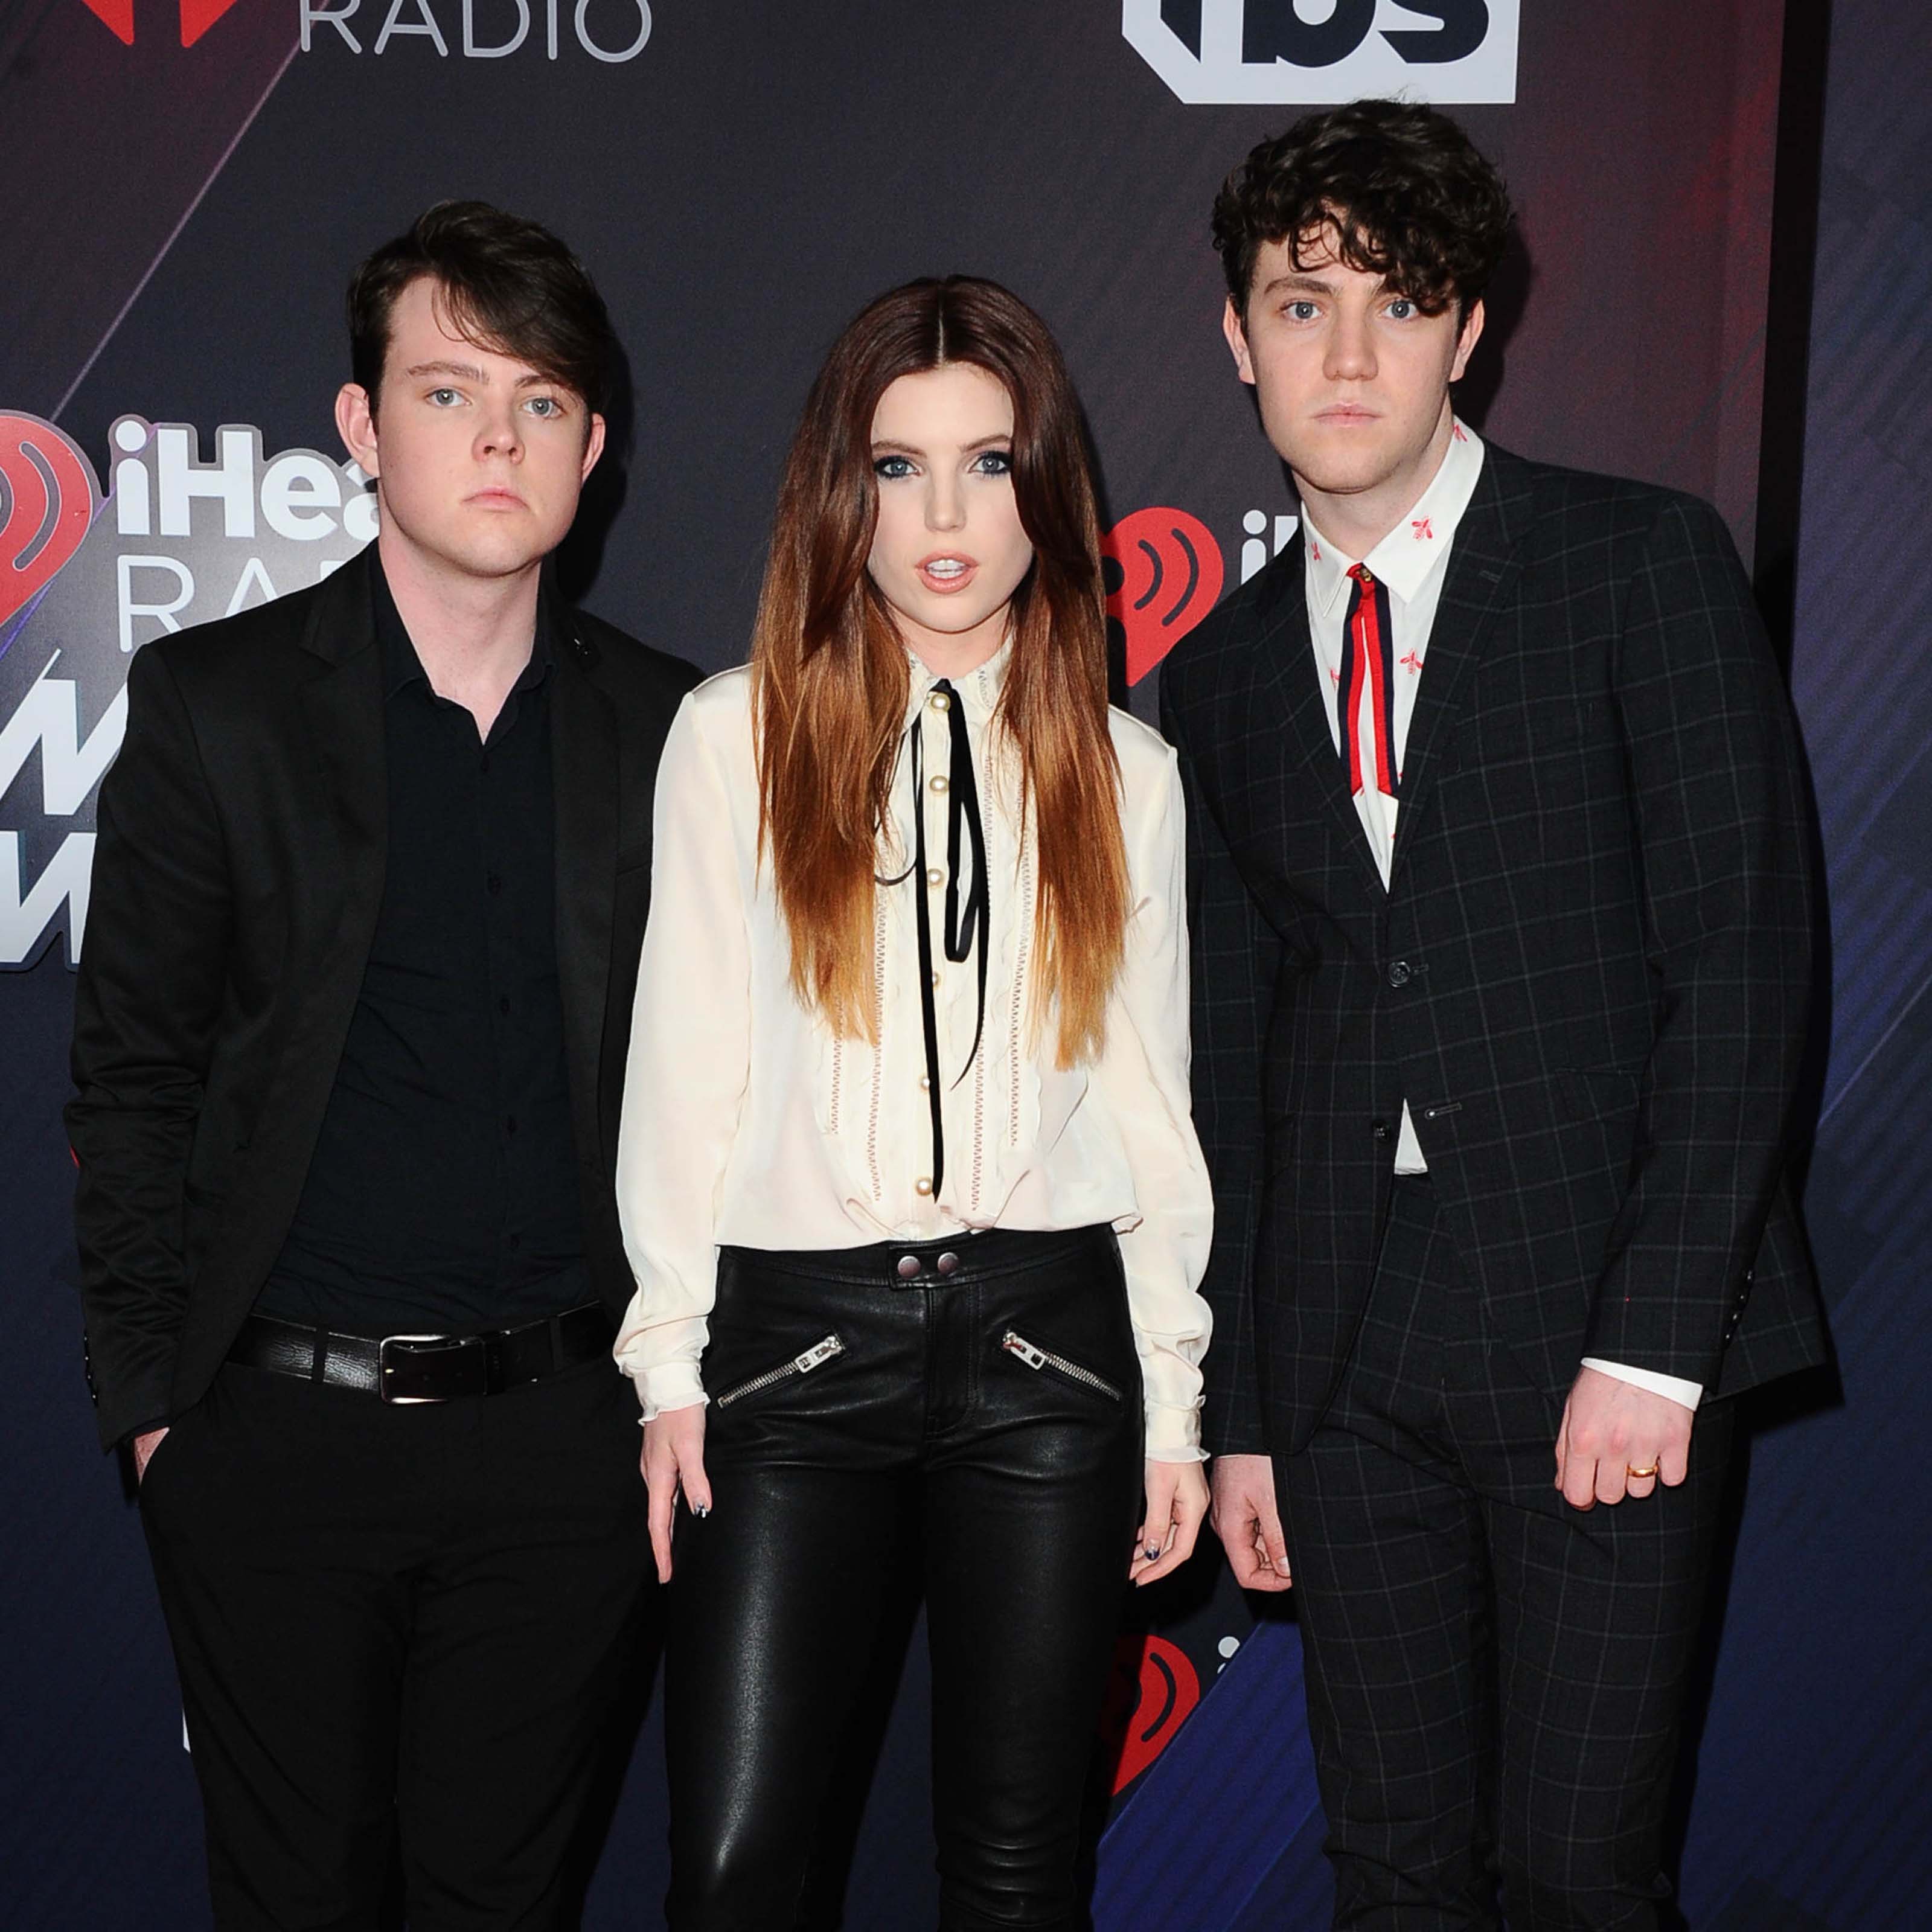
1587 977
237 874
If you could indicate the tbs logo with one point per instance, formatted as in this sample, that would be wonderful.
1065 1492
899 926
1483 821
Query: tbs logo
1314 51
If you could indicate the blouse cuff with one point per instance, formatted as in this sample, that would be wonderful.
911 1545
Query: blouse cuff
668 1385
1173 1434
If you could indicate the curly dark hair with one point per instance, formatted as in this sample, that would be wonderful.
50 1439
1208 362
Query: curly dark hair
1400 185
507 283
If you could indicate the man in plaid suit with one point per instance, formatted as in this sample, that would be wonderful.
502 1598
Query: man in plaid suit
1502 925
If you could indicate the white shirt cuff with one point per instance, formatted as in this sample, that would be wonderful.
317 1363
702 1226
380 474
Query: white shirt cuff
1675 1388
1173 1433
668 1385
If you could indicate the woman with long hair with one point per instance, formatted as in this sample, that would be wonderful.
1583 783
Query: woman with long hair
906 1172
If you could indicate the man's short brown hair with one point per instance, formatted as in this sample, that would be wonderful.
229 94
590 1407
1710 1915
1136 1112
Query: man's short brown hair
1400 188
506 284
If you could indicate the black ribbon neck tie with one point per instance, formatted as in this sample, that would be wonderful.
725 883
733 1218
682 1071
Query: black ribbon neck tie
968 901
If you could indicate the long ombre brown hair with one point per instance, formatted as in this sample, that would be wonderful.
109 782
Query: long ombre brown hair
831 680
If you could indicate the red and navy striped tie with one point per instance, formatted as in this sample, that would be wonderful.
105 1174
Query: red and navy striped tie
1368 675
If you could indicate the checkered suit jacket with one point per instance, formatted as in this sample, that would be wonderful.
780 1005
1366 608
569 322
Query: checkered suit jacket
1589 975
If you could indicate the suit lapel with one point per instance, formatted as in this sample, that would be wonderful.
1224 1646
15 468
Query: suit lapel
1483 566
586 782
1287 654
343 706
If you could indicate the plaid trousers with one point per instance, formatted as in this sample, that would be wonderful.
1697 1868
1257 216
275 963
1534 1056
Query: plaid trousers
1495 1678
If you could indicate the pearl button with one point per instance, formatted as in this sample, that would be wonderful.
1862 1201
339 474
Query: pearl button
940 701
936 784
924 1083
935 878
923 1185
935 979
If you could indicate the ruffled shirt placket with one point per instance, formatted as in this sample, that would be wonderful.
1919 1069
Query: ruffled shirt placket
949 886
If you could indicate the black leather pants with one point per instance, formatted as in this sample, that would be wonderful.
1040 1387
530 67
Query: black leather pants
978 1402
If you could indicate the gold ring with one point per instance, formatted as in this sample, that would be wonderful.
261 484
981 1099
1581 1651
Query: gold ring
1642 1474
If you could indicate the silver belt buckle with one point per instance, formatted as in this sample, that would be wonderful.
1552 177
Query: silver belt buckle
386 1371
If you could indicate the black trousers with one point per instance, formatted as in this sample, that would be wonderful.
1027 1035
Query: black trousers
402 1632
977 1402
1494 1678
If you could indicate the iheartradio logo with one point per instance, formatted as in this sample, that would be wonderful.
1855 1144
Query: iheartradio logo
48 497
196 17
1152 1692
1164 574
623 25
87 578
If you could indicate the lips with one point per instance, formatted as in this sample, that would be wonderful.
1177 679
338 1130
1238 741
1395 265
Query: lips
947 572
1346 414
497 499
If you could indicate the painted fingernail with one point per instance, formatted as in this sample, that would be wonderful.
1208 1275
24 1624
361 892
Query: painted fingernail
700 1510
1153 1551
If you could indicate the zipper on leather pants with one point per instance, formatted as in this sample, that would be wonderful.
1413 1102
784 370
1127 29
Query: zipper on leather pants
800 1365
1037 1358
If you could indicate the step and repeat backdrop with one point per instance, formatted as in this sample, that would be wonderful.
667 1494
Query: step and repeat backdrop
187 186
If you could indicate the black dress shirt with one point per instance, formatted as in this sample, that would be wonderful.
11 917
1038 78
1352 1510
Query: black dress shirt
442 1194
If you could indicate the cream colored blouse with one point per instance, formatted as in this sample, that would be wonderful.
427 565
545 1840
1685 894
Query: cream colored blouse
746 1123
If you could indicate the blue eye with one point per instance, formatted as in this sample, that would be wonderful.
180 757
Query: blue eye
442 398
890 466
1401 308
545 406
994 463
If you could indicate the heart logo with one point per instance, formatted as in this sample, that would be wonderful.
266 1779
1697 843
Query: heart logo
1154 1691
48 498
1169 574
196 17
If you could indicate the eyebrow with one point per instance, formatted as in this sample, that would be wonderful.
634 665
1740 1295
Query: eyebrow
1310 284
884 444
470 372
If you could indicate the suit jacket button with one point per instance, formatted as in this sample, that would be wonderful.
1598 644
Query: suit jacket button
1380 1129
1399 973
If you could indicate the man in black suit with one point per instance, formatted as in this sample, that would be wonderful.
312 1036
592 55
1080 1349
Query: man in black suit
1500 921
370 884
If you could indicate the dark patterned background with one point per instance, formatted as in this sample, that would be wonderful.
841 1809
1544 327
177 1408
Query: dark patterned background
177 222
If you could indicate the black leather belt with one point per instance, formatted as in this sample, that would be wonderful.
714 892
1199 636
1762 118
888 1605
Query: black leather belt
427 1368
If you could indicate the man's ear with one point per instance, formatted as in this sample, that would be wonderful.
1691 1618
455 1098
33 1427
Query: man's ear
593 448
1471 334
1232 327
356 424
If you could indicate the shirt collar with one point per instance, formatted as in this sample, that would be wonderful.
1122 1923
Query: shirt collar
401 666
978 689
1417 546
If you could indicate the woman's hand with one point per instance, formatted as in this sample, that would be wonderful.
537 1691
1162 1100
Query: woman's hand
673 1459
1176 1504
